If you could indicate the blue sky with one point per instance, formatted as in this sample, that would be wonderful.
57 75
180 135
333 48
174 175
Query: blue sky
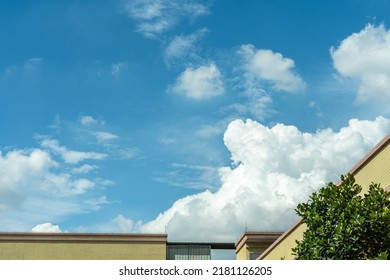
195 118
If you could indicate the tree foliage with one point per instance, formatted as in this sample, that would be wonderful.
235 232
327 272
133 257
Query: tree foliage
344 225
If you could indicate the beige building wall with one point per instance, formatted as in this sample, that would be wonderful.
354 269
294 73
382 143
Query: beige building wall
247 250
283 250
377 170
374 167
242 253
252 244
30 246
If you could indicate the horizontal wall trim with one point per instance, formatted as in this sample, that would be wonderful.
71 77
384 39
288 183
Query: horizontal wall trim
82 237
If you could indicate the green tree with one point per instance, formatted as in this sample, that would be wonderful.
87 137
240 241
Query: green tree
344 225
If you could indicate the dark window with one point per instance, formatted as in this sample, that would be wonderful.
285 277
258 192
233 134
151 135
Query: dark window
188 252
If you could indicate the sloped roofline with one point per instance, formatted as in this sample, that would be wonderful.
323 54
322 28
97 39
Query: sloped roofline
367 158
374 151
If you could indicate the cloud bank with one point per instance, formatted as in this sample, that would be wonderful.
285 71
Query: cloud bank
273 169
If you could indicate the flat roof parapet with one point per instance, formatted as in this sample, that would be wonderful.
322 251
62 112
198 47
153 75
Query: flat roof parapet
81 237
213 245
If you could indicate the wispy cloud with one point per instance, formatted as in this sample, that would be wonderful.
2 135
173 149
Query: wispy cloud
255 100
96 132
128 152
84 169
313 105
119 224
211 130
199 177
97 203
154 17
166 140
32 63
27 67
70 156
104 136
118 68
183 49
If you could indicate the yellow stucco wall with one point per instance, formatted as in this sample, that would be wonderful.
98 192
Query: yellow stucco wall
242 254
376 169
82 246
245 252
253 243
81 251
284 248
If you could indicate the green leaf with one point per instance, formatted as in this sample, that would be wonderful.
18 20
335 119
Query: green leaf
342 224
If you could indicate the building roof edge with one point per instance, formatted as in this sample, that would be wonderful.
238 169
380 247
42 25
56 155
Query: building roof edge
371 154
81 237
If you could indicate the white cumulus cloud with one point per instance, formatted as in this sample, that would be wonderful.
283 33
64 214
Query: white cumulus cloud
18 169
271 67
46 227
273 169
200 83
365 58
